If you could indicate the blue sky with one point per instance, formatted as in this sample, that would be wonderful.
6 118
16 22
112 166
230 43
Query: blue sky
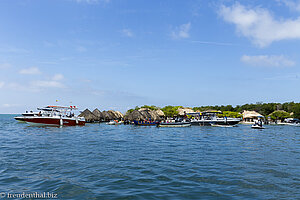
116 54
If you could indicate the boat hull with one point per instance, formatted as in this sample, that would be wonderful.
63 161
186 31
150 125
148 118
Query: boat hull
51 121
215 122
145 123
176 124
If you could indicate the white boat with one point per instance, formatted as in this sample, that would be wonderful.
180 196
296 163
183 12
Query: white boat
256 126
114 122
52 116
224 126
174 123
208 118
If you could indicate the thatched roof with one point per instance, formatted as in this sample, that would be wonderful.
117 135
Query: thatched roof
160 113
98 114
182 111
88 115
143 114
134 115
251 114
107 116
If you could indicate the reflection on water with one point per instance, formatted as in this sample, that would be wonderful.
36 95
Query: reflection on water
104 162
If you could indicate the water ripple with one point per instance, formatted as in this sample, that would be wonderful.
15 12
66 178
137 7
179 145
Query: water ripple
128 162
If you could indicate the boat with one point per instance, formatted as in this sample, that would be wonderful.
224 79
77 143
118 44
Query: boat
53 116
209 118
224 126
145 123
256 126
174 123
114 122
292 122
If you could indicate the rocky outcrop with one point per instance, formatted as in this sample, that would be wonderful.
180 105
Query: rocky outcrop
88 115
144 114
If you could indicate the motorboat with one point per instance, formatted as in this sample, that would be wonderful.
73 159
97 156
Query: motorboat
256 126
174 123
114 122
210 118
145 122
53 116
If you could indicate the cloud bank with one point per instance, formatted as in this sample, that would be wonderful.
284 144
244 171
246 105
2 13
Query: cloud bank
259 25
267 61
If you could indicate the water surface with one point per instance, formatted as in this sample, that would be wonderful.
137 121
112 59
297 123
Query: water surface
99 161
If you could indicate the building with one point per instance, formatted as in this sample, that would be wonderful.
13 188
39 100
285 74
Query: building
249 117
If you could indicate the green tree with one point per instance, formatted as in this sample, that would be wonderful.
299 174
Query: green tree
279 115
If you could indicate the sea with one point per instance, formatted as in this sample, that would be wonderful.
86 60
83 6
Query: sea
100 161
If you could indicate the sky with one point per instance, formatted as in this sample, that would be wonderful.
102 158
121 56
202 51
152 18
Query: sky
118 54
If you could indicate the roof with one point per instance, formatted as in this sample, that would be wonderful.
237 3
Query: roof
251 114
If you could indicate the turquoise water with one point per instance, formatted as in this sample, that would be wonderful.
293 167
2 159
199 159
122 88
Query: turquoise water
99 161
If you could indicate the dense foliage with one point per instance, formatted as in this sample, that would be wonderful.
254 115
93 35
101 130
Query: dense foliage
144 106
279 115
228 110
230 114
262 108
170 111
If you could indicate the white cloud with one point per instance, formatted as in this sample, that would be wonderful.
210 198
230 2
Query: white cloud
31 70
293 5
47 84
182 31
54 82
57 77
267 61
5 65
127 32
1 84
259 25
7 105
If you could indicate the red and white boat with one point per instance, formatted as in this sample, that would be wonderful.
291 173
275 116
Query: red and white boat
53 115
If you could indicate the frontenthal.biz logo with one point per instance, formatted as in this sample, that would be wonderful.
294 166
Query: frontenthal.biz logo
30 195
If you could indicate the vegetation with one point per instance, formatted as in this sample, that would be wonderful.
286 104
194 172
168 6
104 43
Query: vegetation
171 111
144 106
265 109
230 114
279 115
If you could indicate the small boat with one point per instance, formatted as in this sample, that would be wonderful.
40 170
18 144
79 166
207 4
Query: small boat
225 126
174 123
145 123
114 122
52 116
256 126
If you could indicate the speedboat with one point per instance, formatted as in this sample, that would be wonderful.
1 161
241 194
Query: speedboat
114 122
174 123
211 118
53 116
145 123
256 126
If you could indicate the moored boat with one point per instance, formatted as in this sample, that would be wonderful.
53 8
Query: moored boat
210 118
53 116
114 122
256 126
145 123
174 123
